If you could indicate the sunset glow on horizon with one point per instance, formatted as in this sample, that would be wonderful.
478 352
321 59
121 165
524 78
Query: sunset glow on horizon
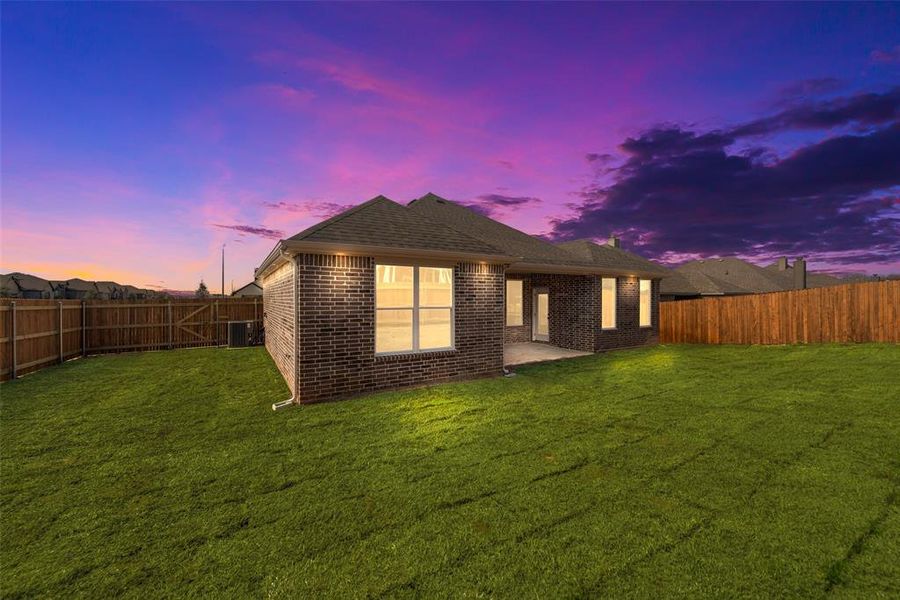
139 138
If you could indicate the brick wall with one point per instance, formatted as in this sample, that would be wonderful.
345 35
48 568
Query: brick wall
278 320
336 326
520 333
628 332
575 311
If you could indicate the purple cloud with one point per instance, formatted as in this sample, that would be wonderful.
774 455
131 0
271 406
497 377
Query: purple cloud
272 234
886 56
683 193
317 209
808 87
491 204
864 109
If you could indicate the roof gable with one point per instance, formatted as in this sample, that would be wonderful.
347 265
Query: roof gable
511 241
383 222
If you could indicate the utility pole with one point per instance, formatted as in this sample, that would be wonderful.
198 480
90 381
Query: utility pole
223 270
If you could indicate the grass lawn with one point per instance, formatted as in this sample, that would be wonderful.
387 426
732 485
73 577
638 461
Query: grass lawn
668 472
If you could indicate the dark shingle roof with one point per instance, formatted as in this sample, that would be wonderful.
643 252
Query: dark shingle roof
614 258
383 222
32 283
8 286
813 279
107 287
511 241
693 283
80 285
735 272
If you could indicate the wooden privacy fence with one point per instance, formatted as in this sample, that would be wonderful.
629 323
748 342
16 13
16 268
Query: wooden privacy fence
39 333
859 312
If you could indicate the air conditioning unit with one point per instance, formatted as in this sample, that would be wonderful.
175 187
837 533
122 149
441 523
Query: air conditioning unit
240 334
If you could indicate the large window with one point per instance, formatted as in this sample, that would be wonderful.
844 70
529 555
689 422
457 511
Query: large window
514 303
413 308
608 303
645 303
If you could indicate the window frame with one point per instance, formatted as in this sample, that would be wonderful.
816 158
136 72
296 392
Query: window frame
521 322
415 309
649 304
615 303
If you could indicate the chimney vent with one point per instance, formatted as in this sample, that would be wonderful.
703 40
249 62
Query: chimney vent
799 274
613 241
782 263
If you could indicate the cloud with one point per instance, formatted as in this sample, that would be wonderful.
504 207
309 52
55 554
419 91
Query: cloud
322 210
601 159
863 109
491 204
886 56
278 94
682 192
808 87
272 234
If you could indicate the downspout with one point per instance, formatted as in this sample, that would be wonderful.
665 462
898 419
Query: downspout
294 399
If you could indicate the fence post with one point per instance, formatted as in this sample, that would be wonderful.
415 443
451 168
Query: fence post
218 339
13 314
170 323
59 302
83 329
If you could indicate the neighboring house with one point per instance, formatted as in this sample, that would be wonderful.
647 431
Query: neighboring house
59 288
733 276
251 289
23 285
8 287
794 274
385 295
79 289
109 290
134 293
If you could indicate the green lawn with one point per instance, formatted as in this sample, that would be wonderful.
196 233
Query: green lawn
667 472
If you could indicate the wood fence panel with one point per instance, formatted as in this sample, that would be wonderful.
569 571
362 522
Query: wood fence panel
49 331
859 312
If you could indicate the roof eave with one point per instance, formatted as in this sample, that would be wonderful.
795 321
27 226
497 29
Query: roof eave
531 267
294 247
272 260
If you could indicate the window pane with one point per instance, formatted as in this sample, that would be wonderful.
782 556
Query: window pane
435 286
435 330
514 306
393 286
393 330
645 302
608 303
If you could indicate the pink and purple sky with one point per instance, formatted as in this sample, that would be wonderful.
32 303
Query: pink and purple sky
139 138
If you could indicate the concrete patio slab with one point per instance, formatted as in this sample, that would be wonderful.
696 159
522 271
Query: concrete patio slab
531 352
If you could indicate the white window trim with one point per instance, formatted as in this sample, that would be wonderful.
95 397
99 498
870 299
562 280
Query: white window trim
649 305
506 306
615 324
415 310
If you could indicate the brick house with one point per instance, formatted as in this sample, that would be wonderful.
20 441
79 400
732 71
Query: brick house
385 296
